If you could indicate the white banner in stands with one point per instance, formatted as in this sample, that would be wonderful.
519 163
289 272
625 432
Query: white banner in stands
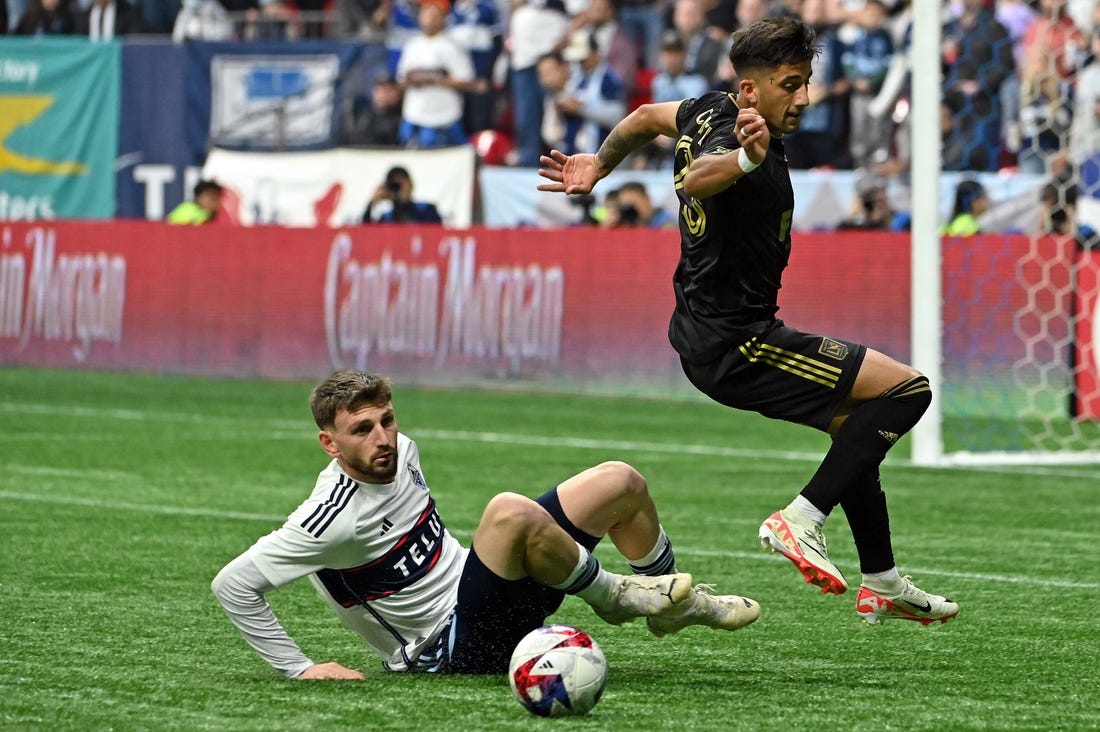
332 187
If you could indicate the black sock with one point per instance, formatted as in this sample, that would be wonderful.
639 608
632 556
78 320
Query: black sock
862 442
865 508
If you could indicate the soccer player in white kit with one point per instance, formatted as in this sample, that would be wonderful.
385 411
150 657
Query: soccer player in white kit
371 541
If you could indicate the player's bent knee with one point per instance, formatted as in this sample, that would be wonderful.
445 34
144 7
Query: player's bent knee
910 399
513 514
623 476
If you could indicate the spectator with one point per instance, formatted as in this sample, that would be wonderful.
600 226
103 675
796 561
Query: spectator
747 12
617 48
1045 119
279 20
313 15
1053 44
977 58
245 15
634 208
203 20
822 138
1057 204
643 21
589 103
376 122
393 203
720 18
434 72
1052 50
871 209
606 216
1016 16
673 82
159 16
1085 129
971 201
553 77
362 20
866 59
45 18
957 151
202 209
702 51
476 26
536 28
404 24
108 19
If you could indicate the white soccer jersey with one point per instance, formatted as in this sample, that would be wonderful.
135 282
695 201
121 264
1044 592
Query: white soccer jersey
378 554
434 105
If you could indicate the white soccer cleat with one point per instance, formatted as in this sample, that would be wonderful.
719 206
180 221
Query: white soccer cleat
800 540
636 596
721 612
912 603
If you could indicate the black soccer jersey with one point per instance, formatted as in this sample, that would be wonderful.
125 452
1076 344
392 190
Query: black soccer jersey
734 245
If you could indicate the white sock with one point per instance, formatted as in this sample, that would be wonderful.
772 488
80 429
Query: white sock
811 511
660 560
588 580
888 582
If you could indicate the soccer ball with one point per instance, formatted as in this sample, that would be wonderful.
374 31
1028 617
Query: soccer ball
557 670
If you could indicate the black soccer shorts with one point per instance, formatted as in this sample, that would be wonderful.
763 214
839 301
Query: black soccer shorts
492 614
783 374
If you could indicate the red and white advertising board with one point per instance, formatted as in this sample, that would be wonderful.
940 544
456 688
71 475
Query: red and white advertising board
572 308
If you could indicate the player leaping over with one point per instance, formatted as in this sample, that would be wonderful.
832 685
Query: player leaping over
736 204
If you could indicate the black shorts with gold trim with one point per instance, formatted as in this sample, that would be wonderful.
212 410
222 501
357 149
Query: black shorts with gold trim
783 374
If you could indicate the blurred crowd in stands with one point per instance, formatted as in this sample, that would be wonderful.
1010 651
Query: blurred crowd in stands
1021 78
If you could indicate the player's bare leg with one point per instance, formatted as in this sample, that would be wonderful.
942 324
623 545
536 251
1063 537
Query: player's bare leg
518 538
613 499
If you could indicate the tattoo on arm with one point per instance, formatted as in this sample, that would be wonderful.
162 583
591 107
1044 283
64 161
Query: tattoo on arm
618 145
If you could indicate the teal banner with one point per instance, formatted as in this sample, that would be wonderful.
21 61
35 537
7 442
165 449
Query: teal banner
59 111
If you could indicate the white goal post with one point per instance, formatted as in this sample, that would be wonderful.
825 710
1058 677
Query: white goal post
1024 407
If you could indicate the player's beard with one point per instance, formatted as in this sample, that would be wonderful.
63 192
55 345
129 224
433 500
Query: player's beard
374 473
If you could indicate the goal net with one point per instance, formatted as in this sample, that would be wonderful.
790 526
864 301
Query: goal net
1007 324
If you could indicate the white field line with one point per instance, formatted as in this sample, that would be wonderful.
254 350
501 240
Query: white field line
286 430
686 551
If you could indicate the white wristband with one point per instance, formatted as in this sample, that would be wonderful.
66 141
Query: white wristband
747 166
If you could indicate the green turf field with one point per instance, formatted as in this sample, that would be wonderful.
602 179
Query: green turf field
121 496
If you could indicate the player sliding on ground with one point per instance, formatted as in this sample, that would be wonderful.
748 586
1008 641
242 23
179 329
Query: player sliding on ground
373 545
736 205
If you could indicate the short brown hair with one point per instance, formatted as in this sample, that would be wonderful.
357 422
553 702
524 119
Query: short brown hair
771 43
348 389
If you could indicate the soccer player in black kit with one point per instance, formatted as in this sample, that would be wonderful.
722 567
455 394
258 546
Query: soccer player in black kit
736 205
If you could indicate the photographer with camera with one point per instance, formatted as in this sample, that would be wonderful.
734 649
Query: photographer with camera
392 202
871 208
633 207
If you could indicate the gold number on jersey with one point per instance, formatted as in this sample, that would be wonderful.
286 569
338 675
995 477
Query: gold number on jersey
694 217
692 211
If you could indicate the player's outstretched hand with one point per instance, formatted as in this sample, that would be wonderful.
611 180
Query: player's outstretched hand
570 174
330 670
